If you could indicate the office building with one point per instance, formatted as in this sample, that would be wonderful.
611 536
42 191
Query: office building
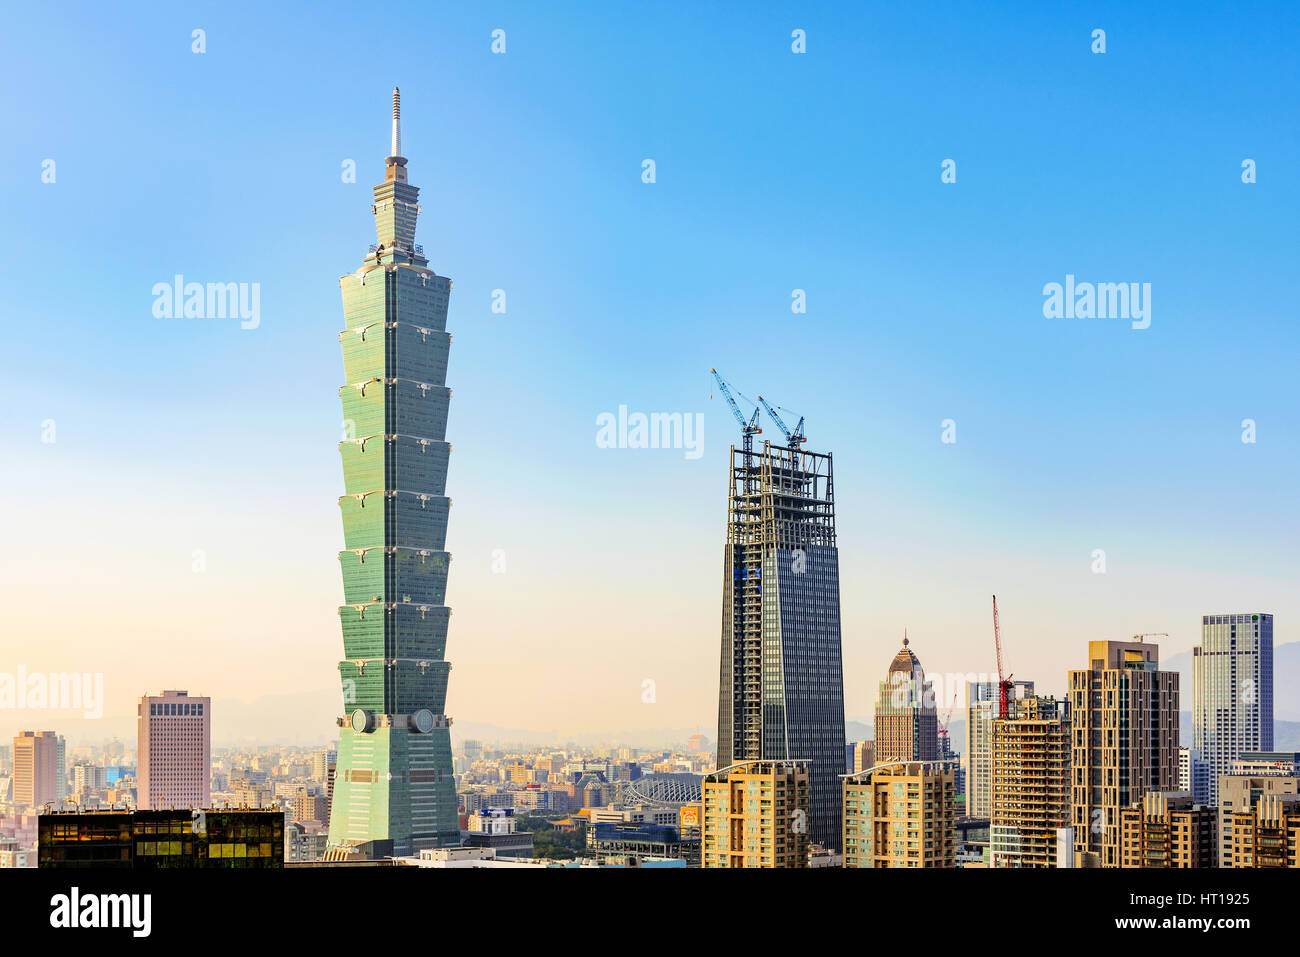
900 815
1193 775
394 781
1168 830
1232 691
148 840
981 708
1030 792
756 815
1124 722
174 749
864 756
1267 762
60 769
36 769
906 725
642 840
781 687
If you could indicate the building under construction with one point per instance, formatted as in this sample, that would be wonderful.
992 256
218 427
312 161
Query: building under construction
1030 786
781 682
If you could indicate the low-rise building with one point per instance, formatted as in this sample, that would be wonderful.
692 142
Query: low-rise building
1168 829
162 838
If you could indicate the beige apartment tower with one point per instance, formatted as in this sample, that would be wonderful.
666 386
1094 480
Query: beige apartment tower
1124 741
36 768
1029 792
900 815
1168 830
1259 821
174 751
756 815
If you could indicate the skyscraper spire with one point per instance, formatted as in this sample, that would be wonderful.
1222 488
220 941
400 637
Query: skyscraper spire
397 122
395 790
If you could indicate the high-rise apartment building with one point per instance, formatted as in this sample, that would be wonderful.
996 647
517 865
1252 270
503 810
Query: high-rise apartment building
1124 728
394 778
1030 787
174 751
1232 691
36 768
88 779
781 686
906 724
981 709
1265 835
1168 829
756 815
900 815
1270 775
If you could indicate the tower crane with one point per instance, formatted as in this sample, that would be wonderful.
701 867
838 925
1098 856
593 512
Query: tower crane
793 439
748 429
1004 681
945 746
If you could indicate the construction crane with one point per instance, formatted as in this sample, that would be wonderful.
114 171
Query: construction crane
1151 634
748 429
944 745
1004 681
793 439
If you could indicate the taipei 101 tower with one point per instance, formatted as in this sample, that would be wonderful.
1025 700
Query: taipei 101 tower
393 789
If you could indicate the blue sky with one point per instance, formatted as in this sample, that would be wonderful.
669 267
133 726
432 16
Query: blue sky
774 172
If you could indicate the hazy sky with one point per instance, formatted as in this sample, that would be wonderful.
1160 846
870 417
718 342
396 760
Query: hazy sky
775 171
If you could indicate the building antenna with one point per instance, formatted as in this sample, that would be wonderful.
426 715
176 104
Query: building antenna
397 122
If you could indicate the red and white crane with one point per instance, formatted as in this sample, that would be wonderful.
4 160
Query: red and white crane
1004 680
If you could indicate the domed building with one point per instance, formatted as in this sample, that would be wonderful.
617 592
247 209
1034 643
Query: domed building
906 724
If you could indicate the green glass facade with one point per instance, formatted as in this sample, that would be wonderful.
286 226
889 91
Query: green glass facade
394 779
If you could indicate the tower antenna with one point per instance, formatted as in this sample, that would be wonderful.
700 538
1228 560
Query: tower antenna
397 122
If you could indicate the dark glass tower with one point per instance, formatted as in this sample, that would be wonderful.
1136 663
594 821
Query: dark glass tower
394 778
781 691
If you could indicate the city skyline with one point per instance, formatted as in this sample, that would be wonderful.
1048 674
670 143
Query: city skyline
1058 452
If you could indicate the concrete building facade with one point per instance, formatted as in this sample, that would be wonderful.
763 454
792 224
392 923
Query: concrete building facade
174 751
756 815
36 769
1168 830
900 815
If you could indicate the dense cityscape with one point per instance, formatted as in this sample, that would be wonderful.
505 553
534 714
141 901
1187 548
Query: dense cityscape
1101 777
